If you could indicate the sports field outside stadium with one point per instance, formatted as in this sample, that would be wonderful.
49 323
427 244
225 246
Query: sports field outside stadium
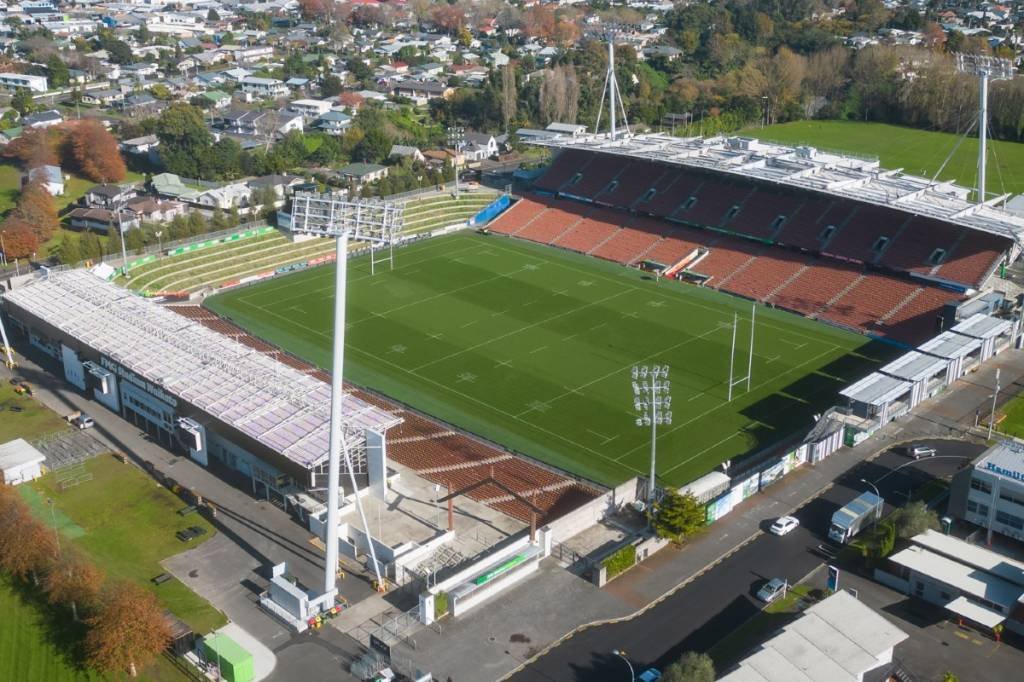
531 347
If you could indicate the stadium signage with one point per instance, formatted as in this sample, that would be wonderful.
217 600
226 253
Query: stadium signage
147 386
1008 473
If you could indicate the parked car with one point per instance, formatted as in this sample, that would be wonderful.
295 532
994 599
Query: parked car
772 590
919 451
784 525
83 421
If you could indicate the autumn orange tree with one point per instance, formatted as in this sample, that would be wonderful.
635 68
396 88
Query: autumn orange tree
35 207
33 148
73 580
27 547
128 630
20 241
92 151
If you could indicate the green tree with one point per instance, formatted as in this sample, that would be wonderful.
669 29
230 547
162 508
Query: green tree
57 71
914 518
196 223
212 15
331 86
184 139
374 147
22 101
70 249
678 516
692 667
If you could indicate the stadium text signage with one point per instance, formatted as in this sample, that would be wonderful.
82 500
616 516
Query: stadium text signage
1009 473
134 378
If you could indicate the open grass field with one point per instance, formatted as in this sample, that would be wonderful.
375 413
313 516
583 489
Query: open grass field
1012 423
920 152
28 419
127 523
531 347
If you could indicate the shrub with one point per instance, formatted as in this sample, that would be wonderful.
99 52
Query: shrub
622 560
440 604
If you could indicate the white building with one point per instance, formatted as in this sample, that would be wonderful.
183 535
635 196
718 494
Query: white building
310 108
15 81
20 462
990 493
839 639
973 582
266 88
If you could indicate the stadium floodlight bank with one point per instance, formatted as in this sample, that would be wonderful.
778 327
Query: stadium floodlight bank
652 400
376 222
808 169
985 68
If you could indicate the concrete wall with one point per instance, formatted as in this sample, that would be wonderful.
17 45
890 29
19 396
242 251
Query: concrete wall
586 516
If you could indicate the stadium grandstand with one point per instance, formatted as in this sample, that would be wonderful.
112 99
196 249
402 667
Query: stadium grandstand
204 387
831 237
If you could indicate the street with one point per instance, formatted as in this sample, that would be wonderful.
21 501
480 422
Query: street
714 604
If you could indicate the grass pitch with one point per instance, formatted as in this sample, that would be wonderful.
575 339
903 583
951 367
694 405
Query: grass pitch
919 152
531 347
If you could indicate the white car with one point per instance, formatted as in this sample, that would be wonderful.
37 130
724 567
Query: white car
784 525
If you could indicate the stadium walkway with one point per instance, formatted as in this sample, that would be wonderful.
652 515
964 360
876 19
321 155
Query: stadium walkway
539 613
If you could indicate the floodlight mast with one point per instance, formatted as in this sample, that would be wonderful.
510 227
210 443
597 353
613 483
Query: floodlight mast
653 404
331 215
985 68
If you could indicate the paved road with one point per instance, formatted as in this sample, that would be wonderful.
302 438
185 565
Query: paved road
700 614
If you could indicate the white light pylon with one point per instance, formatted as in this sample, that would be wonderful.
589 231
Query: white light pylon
652 401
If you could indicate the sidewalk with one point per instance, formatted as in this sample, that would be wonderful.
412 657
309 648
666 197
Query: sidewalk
536 615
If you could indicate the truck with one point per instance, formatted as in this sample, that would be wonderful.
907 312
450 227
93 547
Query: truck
857 514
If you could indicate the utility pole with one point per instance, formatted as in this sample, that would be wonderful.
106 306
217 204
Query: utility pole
995 396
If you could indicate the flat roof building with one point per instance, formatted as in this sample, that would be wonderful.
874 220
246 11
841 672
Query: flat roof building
990 492
839 639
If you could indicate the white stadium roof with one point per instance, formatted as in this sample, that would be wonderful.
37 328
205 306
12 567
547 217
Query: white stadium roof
286 410
807 168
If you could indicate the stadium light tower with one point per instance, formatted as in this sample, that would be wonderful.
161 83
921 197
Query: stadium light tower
652 401
985 68
376 222
457 139
611 88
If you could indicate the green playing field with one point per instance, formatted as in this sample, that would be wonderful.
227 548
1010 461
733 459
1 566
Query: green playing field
531 347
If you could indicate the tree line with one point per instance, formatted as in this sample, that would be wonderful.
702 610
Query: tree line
123 624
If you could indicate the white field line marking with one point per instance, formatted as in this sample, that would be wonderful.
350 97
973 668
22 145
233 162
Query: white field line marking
498 410
683 299
517 331
724 403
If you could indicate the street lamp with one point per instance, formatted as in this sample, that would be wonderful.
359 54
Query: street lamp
456 138
622 655
159 243
653 405
878 512
992 416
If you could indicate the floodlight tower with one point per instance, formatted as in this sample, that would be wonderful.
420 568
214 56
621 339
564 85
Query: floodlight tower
611 88
376 222
653 404
457 139
985 68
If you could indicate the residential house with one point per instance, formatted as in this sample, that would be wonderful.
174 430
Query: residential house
148 209
215 99
103 98
140 145
332 122
50 176
422 92
283 185
108 196
141 104
479 146
101 220
310 108
18 81
170 186
402 151
265 88
363 173
226 197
